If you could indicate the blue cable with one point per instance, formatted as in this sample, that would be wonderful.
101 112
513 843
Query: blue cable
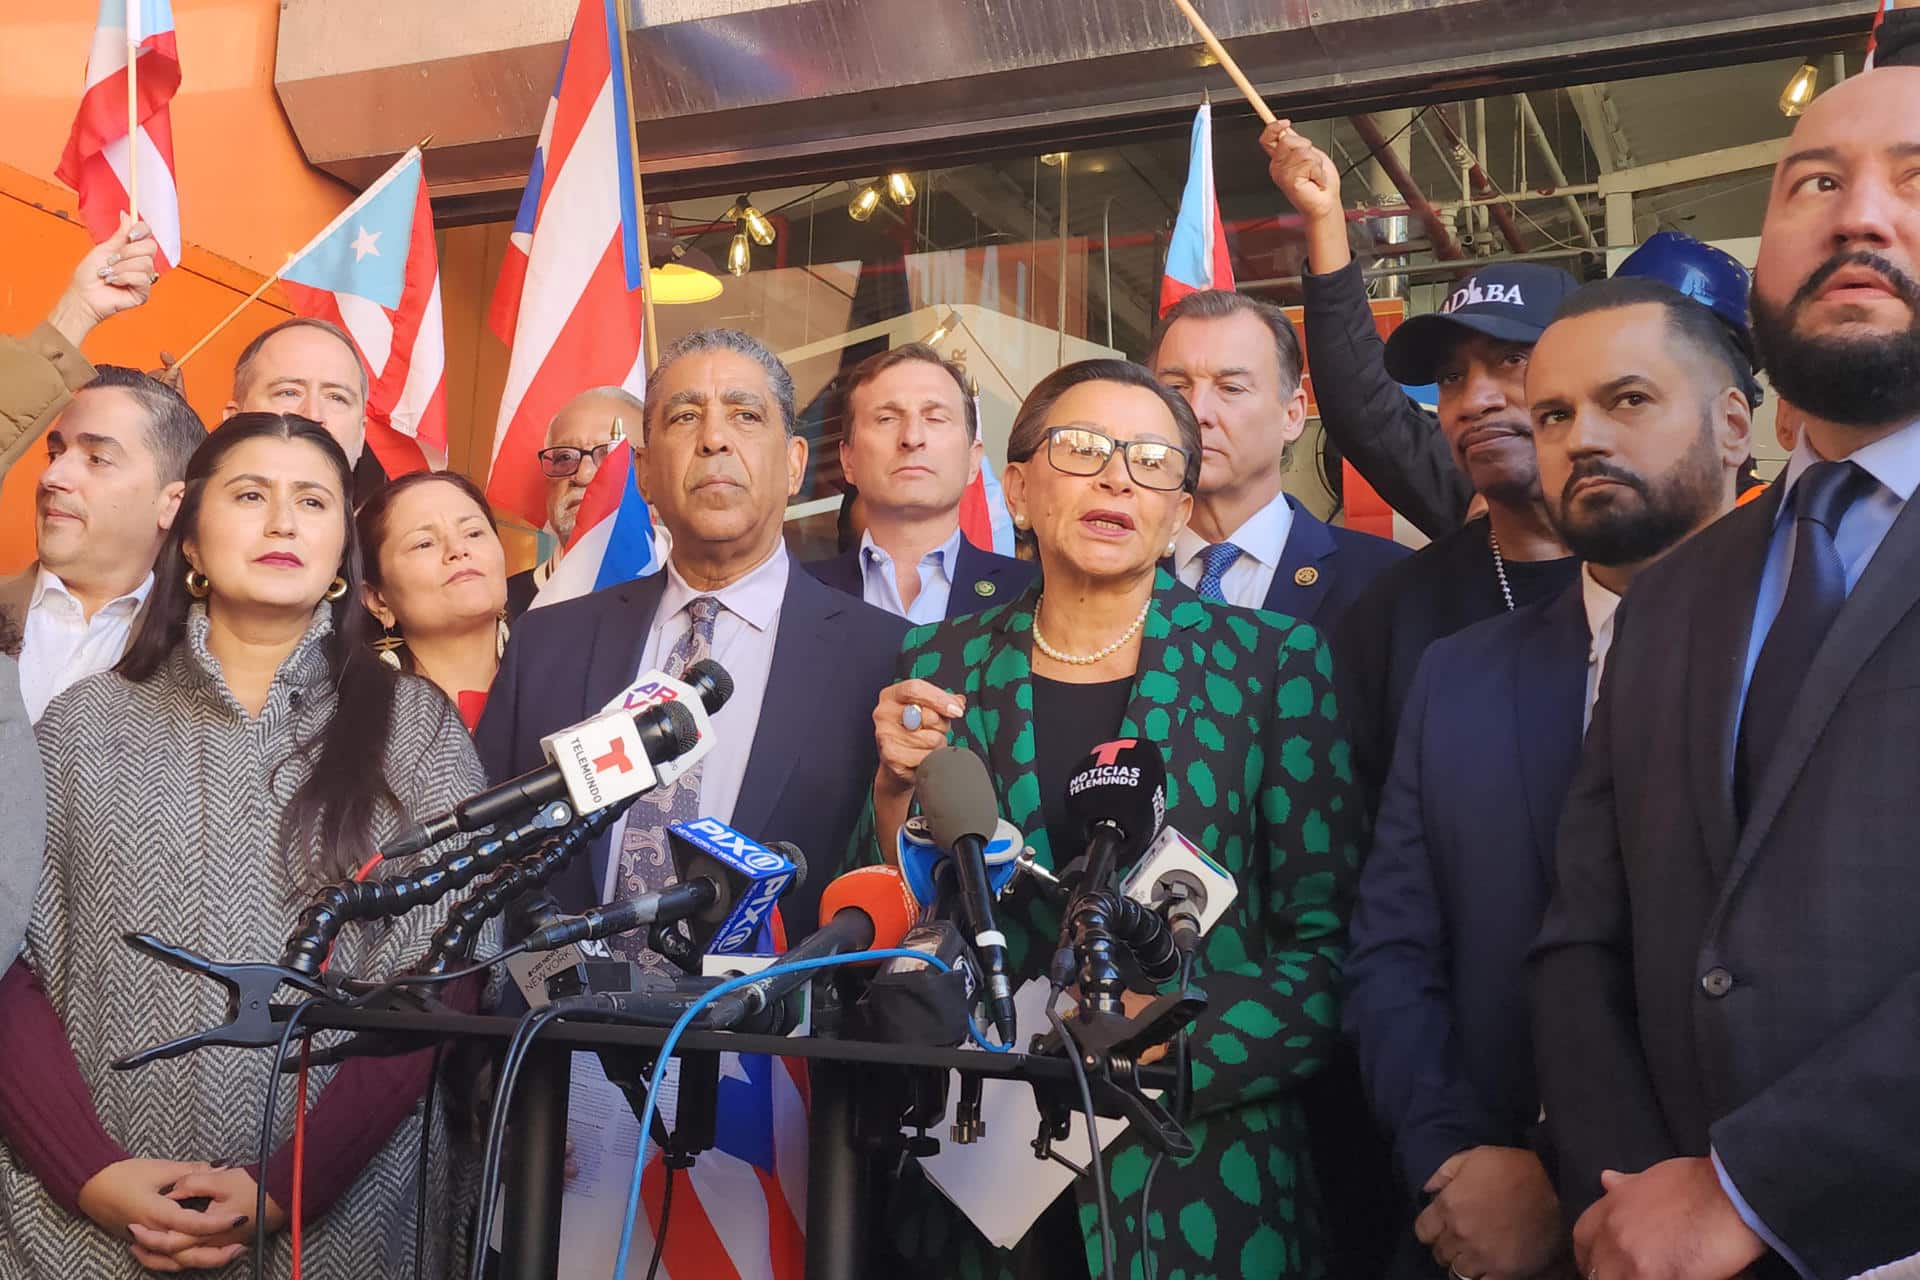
693 1011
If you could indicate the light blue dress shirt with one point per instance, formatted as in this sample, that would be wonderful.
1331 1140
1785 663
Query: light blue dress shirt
880 588
1894 463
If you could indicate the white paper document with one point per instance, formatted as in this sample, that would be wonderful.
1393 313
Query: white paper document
997 1182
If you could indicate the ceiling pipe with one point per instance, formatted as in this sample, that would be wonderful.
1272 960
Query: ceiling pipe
1502 215
1544 145
1444 246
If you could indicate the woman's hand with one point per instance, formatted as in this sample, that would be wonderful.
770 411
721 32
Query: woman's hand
224 1229
902 749
132 1196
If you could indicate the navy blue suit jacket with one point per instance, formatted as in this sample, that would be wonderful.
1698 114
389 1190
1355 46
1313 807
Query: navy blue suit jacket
981 579
813 754
1453 893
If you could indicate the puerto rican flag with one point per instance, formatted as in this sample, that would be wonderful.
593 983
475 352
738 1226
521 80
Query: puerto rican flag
1873 37
99 158
1197 257
983 507
375 272
613 535
568 301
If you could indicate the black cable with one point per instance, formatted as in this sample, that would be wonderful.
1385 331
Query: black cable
420 1169
373 993
1180 1100
660 1235
1398 133
523 1036
1093 1135
266 1135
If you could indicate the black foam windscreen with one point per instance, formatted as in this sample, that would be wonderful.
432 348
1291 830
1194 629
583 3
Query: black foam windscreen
681 728
713 682
793 855
1122 785
956 796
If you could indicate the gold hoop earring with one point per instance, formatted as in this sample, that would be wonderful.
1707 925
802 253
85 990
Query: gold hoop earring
336 589
197 585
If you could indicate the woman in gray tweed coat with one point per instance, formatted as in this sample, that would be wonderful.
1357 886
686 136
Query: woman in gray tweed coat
246 751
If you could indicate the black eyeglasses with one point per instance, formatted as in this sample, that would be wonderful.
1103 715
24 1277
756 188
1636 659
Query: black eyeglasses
1082 451
562 460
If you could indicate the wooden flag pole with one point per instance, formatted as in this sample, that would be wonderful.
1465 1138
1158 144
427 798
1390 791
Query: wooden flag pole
233 315
1227 63
651 336
133 110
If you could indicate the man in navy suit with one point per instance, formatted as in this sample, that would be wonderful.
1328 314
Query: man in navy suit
1236 360
911 448
1641 425
794 753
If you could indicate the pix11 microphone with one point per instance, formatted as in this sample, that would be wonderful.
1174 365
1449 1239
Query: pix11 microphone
748 878
1118 798
867 908
591 765
956 797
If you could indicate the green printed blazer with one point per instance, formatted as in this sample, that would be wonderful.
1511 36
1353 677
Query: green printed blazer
1241 704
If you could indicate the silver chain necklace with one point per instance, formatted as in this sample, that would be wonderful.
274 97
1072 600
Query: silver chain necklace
1500 566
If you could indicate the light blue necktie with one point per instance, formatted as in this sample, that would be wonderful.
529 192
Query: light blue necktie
1217 559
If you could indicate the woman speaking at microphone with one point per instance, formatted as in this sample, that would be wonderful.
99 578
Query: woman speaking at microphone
1101 471
249 749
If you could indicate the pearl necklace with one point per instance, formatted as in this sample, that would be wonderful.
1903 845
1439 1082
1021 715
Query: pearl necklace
1500 567
1098 655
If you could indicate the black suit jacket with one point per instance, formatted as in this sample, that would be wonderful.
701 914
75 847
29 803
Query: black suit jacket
520 592
813 754
981 579
1751 990
1453 892
1343 562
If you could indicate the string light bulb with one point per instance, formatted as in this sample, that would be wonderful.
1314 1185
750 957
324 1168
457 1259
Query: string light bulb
1053 159
755 222
901 188
739 254
864 202
1800 90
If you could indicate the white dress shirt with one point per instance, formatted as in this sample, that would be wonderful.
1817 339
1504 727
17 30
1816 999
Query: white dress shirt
743 638
1601 604
61 645
880 587
1262 540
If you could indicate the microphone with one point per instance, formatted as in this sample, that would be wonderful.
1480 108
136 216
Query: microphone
920 855
1177 878
747 879
1118 798
864 909
590 764
676 902
703 688
956 796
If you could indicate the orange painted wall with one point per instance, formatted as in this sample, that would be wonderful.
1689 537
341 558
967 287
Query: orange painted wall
247 197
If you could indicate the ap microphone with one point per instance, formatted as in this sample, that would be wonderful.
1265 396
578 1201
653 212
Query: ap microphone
1117 797
868 908
591 765
703 688
956 797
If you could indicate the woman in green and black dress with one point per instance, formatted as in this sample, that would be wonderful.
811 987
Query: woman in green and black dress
1102 465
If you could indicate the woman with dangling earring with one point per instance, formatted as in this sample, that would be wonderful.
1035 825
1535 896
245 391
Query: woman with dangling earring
248 750
437 583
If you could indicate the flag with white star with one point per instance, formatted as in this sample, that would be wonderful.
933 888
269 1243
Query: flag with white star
364 251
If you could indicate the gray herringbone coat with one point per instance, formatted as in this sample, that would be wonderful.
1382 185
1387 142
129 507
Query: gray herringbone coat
164 804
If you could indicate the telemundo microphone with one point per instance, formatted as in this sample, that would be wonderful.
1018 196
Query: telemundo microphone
592 764
956 797
1117 799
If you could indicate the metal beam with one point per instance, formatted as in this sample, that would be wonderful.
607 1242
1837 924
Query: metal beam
1706 164
1559 175
1611 147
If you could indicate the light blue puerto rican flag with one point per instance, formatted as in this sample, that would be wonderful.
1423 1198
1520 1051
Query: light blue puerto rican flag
613 536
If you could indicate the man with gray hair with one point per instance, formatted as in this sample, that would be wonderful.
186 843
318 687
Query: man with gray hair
577 442
793 753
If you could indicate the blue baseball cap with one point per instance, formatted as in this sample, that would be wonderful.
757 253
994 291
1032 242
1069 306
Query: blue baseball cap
1509 302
